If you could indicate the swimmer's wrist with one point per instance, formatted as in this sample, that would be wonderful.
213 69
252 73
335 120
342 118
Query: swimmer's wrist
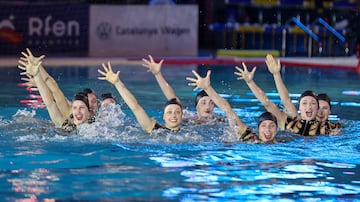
276 73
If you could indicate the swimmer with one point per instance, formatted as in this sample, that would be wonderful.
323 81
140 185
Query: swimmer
204 105
325 107
325 111
106 99
326 127
93 100
173 110
61 115
267 123
304 123
80 112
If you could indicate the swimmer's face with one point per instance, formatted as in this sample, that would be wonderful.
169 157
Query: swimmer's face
267 130
106 102
80 112
324 111
173 116
308 108
93 102
205 107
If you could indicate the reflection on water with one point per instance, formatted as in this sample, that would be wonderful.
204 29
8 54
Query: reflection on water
115 160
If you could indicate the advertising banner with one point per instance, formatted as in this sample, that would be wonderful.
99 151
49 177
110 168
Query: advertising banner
48 29
125 31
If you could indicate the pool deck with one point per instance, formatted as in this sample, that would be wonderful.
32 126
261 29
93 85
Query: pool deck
350 63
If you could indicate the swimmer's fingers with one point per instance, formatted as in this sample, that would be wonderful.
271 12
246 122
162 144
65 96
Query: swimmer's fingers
270 58
244 66
24 54
105 68
146 62
196 74
194 85
24 79
238 73
101 78
191 79
23 73
161 62
23 59
101 72
22 67
117 74
146 65
28 82
208 74
41 57
23 64
29 52
239 69
109 67
240 78
253 70
151 59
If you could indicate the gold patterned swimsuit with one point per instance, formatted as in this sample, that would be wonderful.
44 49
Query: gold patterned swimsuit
311 128
69 126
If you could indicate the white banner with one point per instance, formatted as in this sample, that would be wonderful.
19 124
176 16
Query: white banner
126 31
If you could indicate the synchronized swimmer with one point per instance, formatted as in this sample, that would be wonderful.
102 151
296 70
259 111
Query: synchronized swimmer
312 119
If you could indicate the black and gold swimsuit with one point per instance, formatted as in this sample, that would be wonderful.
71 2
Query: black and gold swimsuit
158 126
249 136
310 128
69 126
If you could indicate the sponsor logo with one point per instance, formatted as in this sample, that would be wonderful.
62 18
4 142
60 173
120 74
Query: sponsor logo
103 30
8 32
53 32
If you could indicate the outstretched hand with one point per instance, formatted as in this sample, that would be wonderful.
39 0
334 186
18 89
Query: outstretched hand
273 66
244 73
108 74
29 82
152 66
199 82
29 63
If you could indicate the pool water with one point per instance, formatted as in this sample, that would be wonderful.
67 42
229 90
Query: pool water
115 160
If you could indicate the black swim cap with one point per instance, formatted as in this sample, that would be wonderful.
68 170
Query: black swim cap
324 97
172 101
82 97
267 116
199 96
309 93
87 91
106 96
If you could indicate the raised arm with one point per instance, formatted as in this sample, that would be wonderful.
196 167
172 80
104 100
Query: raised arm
247 76
31 66
274 68
62 102
155 69
142 117
204 83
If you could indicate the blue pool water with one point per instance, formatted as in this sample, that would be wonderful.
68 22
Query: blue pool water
114 160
